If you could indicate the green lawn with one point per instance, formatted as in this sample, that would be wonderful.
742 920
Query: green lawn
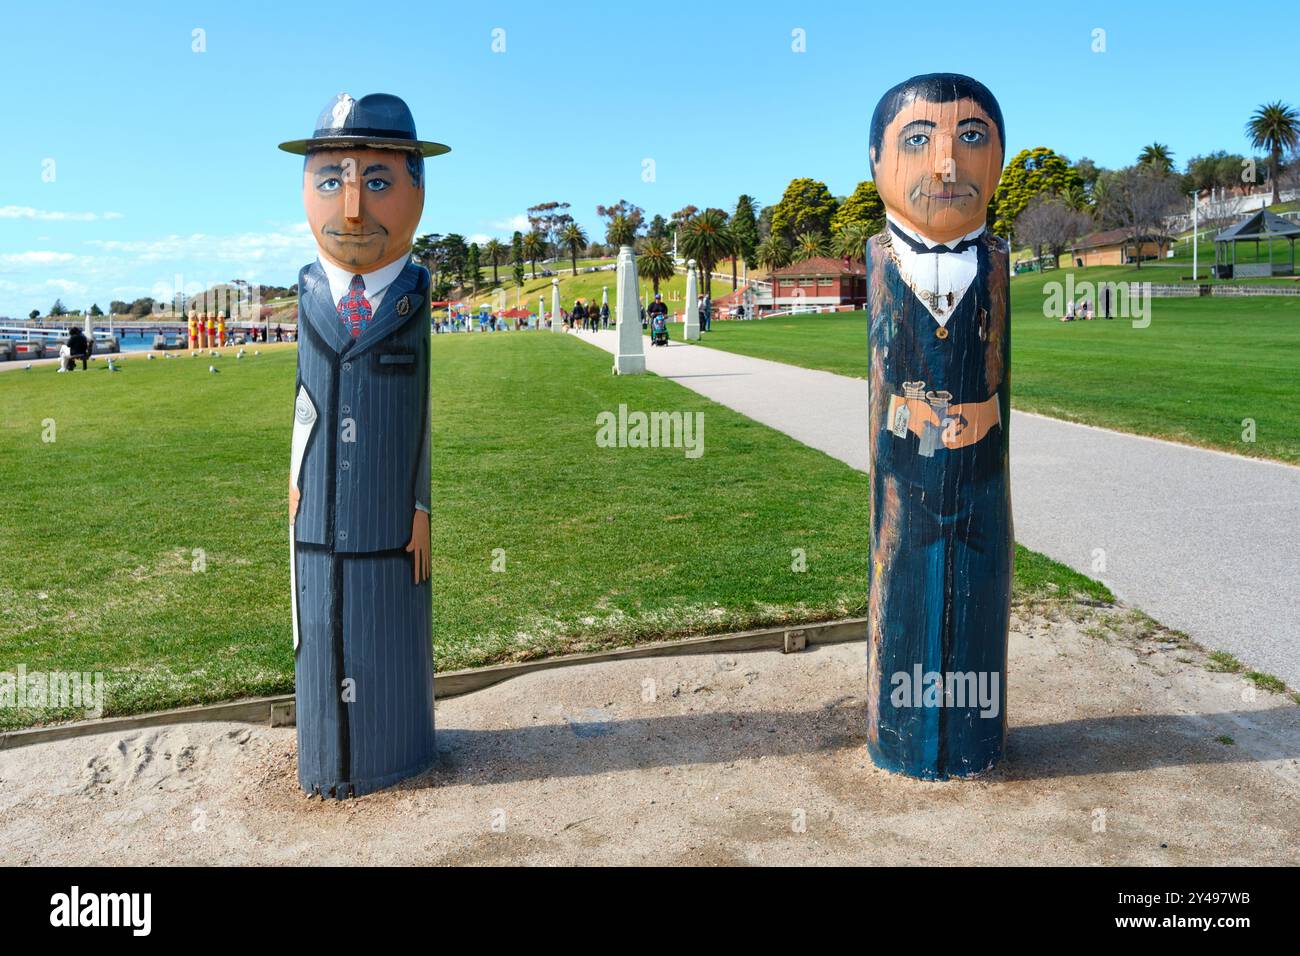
1200 367
603 546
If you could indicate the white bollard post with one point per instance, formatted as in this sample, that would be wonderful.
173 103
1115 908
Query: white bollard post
691 332
630 359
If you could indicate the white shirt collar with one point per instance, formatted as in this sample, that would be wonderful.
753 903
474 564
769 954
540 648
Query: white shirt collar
376 282
930 243
939 281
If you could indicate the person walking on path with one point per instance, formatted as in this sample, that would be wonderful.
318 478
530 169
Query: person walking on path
657 307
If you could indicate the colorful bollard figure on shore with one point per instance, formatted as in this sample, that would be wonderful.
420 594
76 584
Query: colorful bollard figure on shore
939 342
359 491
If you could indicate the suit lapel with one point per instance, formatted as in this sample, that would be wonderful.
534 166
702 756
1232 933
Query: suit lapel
392 314
322 312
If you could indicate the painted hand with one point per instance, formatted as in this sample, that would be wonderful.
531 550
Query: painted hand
971 422
919 415
419 546
294 495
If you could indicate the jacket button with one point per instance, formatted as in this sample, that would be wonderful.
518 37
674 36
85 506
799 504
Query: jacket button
347 409
343 536
347 366
345 464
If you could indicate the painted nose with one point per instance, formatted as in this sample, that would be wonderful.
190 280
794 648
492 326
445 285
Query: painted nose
942 155
351 195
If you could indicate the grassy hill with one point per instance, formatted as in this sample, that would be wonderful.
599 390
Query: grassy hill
1194 374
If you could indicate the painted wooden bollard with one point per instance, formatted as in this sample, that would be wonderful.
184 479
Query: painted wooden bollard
193 329
221 328
939 341
359 491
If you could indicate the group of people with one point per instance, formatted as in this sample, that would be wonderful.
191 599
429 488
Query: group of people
1082 312
586 317
466 321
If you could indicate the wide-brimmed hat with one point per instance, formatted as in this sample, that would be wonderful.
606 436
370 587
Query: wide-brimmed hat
380 120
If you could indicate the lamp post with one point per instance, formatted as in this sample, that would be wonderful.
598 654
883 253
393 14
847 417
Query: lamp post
1195 243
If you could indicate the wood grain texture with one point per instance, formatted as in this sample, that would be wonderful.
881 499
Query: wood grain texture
941 532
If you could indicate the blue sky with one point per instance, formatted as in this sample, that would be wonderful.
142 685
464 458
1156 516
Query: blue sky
165 162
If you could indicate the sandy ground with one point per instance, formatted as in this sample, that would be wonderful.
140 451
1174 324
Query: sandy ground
1114 758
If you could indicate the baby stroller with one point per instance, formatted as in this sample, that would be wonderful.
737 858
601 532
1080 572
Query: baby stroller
659 330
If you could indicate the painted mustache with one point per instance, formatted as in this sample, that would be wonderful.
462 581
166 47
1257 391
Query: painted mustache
345 235
947 195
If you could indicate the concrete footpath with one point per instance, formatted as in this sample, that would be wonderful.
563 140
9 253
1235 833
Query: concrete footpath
1203 541
1122 749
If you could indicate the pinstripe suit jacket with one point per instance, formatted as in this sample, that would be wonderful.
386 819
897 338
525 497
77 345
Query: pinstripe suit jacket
366 466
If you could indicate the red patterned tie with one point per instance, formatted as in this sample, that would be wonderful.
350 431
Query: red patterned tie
354 308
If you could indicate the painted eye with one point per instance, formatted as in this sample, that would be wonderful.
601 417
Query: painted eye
972 136
917 139
376 185
329 185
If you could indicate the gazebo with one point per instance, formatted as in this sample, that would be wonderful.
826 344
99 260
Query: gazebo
1260 225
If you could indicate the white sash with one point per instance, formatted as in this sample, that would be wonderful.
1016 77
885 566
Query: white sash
304 420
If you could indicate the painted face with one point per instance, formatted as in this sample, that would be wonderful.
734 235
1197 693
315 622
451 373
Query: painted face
938 166
363 206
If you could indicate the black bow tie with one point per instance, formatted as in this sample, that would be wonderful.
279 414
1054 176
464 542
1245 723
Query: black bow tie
923 249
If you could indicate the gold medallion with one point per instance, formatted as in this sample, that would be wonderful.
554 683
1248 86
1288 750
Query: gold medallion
941 333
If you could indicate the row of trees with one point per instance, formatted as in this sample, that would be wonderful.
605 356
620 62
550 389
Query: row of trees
807 222
1044 201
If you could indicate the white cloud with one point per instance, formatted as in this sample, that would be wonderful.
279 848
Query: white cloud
138 267
52 215
38 257
513 224
243 249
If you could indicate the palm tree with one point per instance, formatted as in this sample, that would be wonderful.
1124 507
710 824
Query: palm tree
534 249
1274 127
1076 197
1157 155
621 231
573 238
706 239
809 245
772 253
851 241
655 262
496 251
